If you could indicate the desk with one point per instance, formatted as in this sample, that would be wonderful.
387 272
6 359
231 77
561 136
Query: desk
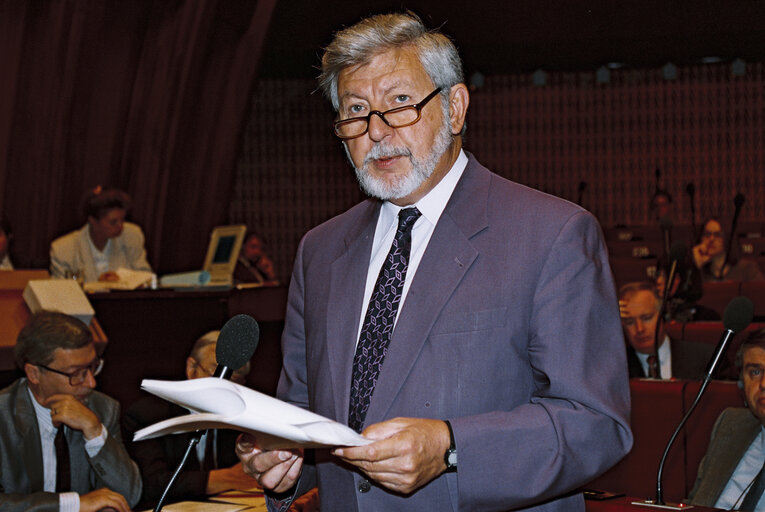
151 332
14 315
624 504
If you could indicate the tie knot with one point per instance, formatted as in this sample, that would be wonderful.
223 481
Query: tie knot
407 217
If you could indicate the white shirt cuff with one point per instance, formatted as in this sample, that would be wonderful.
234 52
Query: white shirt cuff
93 446
68 502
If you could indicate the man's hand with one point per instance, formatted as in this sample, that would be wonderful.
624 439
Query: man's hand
230 478
407 454
103 499
701 255
68 410
277 470
109 276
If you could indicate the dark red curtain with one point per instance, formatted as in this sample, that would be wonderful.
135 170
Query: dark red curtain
148 96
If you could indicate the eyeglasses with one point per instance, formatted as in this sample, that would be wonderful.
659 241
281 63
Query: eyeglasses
77 377
398 117
710 234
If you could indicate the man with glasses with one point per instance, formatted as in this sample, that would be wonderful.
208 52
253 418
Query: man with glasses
60 442
466 324
213 468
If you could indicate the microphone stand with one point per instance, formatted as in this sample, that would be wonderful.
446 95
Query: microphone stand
738 202
741 310
690 189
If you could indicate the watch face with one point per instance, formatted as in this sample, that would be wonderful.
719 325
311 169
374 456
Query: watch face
451 458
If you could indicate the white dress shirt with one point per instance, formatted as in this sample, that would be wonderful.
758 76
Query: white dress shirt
665 359
743 477
68 501
431 206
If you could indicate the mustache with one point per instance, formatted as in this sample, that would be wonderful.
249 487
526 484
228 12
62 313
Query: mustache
385 151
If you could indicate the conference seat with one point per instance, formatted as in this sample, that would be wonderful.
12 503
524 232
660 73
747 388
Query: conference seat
755 291
657 408
627 270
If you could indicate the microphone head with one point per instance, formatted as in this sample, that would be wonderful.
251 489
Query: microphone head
738 314
690 188
677 251
665 223
738 201
237 342
582 186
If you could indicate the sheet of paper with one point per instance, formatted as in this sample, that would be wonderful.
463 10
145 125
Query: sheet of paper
218 403
128 280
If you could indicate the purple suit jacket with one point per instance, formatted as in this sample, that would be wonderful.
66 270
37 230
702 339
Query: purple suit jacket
510 330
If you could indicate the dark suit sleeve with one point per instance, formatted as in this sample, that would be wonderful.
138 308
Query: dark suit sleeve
157 458
575 425
112 465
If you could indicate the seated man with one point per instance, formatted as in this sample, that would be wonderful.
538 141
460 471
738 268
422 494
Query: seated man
254 265
104 244
213 469
731 473
60 442
639 305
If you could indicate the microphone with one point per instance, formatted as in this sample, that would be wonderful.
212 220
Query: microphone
580 192
236 344
737 316
738 202
690 189
666 229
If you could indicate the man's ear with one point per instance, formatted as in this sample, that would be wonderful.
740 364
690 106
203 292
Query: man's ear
459 99
191 367
32 372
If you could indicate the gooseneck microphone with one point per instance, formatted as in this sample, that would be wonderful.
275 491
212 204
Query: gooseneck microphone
236 344
690 189
675 254
737 316
738 202
666 232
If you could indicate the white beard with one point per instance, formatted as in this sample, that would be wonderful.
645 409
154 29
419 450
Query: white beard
402 186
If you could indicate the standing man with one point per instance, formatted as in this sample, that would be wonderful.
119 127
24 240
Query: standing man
731 474
639 305
60 442
467 324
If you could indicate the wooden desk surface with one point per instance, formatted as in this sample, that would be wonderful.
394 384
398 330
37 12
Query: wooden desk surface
14 314
624 504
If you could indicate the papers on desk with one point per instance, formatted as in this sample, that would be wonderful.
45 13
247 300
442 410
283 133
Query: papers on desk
128 280
218 403
200 506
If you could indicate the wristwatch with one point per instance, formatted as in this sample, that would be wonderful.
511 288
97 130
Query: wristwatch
450 457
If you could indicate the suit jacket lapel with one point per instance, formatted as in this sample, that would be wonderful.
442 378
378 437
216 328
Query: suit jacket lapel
348 276
446 260
26 424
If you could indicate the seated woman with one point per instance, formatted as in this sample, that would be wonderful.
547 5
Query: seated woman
104 244
709 257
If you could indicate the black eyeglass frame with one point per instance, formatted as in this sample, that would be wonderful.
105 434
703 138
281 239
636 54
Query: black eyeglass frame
417 106
95 368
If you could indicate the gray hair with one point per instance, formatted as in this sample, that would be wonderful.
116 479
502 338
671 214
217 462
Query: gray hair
360 43
47 331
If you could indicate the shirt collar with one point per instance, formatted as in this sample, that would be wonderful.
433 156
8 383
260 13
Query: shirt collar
432 204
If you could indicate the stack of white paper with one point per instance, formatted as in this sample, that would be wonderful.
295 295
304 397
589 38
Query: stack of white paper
218 403
128 280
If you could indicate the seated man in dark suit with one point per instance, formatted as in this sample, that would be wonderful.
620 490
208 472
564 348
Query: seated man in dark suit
60 442
639 305
731 474
213 468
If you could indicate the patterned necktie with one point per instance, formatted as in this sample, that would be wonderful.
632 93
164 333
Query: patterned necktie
653 367
754 494
379 319
63 474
